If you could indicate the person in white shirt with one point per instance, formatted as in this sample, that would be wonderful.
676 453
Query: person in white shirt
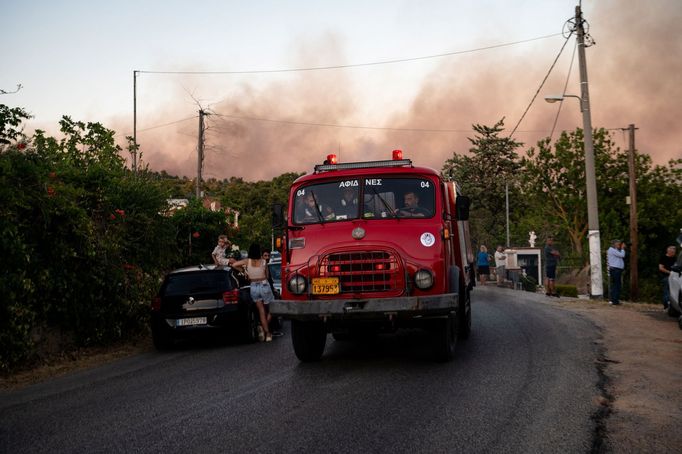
616 264
500 264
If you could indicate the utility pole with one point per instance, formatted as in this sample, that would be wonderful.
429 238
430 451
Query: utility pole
200 151
632 172
506 198
594 240
134 151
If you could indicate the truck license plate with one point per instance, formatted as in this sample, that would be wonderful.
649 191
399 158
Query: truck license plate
325 285
191 321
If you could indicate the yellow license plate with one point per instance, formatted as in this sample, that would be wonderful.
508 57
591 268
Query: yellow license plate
326 285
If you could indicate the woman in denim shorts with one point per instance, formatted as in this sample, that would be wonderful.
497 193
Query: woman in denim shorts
257 270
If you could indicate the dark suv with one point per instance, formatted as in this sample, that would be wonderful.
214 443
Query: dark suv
202 298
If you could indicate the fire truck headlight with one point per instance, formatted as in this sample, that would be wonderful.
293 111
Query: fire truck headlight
423 279
297 284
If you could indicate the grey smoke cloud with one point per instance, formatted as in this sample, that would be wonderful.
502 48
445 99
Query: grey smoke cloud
633 73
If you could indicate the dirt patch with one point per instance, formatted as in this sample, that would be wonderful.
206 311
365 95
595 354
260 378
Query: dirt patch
56 364
643 368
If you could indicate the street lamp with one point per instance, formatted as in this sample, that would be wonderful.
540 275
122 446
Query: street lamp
594 241
558 98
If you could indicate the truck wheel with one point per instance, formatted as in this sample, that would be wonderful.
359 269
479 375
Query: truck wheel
309 339
341 337
464 316
162 339
444 332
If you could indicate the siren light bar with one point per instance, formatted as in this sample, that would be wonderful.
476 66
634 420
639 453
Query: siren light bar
331 163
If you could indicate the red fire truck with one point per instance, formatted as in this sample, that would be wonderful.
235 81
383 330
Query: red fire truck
373 247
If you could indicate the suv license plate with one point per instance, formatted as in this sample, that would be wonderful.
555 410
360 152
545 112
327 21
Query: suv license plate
191 321
325 285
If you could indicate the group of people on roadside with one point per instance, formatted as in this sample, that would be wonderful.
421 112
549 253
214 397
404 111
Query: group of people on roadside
252 272
483 265
615 260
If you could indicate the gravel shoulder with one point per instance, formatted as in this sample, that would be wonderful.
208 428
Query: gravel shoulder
642 367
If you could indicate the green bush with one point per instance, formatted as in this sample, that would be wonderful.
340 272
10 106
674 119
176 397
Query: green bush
84 240
567 290
529 283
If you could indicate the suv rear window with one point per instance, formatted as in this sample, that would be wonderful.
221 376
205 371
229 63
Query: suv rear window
199 282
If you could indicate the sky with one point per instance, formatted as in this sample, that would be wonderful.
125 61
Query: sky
77 58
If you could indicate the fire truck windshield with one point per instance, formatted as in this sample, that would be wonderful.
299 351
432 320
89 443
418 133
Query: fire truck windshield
366 197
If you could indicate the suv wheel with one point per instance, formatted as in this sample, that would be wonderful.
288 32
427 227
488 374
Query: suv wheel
250 325
163 340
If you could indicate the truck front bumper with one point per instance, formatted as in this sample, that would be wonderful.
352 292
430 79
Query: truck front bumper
370 308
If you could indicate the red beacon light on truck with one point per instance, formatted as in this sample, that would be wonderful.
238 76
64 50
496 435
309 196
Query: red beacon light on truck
332 163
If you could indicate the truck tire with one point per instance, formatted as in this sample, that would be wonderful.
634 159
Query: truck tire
444 333
464 306
309 339
464 316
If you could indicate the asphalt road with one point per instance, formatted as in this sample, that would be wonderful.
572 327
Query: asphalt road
524 382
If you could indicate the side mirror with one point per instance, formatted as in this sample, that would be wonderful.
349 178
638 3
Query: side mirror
462 206
277 216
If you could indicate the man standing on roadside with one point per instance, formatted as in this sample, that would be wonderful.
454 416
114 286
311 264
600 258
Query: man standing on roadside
615 260
500 265
665 263
551 259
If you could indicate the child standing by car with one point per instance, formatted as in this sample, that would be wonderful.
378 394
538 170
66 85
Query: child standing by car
218 254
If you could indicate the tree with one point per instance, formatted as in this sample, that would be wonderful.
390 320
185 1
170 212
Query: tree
483 176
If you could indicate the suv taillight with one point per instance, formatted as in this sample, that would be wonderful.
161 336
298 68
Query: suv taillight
156 303
231 297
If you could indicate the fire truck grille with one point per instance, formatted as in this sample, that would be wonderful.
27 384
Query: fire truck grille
364 272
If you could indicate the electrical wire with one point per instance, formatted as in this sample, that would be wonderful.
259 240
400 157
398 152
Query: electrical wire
165 124
540 87
568 76
331 125
356 65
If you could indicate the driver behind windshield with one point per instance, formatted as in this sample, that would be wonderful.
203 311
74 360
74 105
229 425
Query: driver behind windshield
312 210
411 207
347 208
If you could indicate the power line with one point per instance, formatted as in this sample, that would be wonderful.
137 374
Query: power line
166 124
356 65
568 76
541 85
332 125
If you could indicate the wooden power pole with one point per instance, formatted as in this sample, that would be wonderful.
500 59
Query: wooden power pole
632 172
200 152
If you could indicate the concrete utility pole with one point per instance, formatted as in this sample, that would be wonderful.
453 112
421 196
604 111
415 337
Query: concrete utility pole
200 152
594 240
134 151
632 172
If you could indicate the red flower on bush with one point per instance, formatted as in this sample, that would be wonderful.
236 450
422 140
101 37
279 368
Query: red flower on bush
112 216
50 191
196 235
121 213
21 146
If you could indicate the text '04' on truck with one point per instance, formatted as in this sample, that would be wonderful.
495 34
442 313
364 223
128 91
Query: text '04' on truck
370 247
